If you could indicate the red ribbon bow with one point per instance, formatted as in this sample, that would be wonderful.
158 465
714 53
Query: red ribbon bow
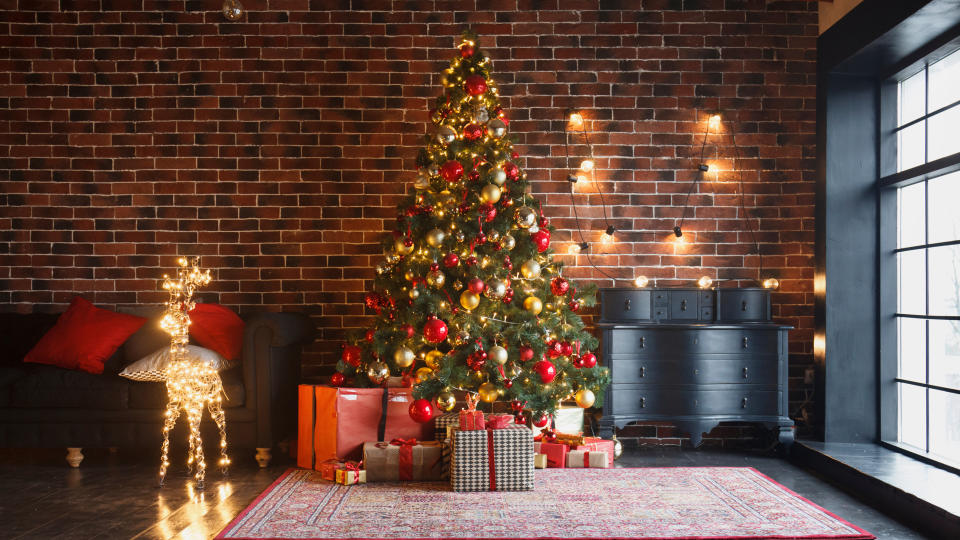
350 466
403 442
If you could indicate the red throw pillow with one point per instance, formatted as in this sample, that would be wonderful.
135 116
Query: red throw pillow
217 328
84 337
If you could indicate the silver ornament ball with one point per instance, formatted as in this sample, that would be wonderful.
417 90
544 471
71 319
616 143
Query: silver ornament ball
496 128
508 242
435 237
446 135
526 217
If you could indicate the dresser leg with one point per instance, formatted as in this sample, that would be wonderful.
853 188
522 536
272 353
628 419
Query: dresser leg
785 436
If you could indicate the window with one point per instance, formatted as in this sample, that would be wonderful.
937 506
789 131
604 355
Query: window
927 251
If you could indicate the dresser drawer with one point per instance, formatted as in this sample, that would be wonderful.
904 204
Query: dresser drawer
684 306
642 342
625 305
706 369
743 305
663 400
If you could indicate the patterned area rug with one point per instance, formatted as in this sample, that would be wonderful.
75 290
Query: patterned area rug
661 503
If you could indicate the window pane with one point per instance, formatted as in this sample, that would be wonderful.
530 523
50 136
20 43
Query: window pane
913 349
944 217
945 354
945 280
910 201
943 137
945 425
910 146
945 82
912 282
912 98
913 415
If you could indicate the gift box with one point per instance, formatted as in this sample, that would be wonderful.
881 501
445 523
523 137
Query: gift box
442 422
596 444
556 453
585 459
539 461
470 420
351 476
499 459
565 420
403 459
334 422
328 469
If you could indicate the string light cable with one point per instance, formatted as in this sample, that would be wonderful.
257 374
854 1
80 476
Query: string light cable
743 207
678 229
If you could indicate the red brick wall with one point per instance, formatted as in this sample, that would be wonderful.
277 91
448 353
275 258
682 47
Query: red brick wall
277 147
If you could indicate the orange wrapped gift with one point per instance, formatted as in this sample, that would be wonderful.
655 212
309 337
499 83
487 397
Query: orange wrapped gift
335 422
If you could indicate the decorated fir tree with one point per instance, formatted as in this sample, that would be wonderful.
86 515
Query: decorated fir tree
470 297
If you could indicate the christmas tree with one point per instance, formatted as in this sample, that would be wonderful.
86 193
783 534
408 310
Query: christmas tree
469 297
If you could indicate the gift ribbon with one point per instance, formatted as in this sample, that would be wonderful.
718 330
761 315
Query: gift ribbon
490 465
586 460
405 463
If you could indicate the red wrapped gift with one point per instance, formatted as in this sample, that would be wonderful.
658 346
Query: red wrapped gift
335 422
471 419
556 453
596 444
328 469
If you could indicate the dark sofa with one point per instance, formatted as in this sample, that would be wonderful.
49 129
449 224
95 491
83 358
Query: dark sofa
45 406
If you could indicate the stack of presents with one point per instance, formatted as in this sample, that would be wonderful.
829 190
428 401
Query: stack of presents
359 435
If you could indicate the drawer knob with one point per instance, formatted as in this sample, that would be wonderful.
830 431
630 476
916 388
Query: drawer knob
643 371
683 305
743 306
745 370
626 305
643 342
743 404
746 342
696 372
643 403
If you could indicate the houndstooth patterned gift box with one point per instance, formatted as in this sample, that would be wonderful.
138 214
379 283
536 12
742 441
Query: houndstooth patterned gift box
512 460
441 422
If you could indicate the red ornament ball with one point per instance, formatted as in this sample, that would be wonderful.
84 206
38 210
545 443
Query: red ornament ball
487 211
476 285
435 330
546 370
541 421
421 411
513 172
408 330
477 360
451 260
589 360
466 50
475 85
508 383
566 348
541 239
481 238
472 132
351 355
470 261
559 286
434 267
574 305
526 353
514 155
576 361
369 335
451 171
473 176
372 300
516 405
337 379
554 349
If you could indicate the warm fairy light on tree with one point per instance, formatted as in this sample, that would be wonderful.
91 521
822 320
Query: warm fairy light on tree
192 385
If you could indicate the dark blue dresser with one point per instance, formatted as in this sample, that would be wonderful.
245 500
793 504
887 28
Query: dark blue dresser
695 358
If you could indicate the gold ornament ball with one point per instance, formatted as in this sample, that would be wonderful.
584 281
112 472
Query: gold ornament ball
499 177
436 279
533 305
490 193
585 398
409 275
446 135
414 293
508 242
469 300
497 355
476 377
526 217
432 359
422 374
496 128
403 357
422 180
493 236
530 269
446 401
401 248
378 372
496 288
488 392
435 237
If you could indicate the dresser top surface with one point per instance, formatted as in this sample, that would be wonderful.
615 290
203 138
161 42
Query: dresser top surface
694 326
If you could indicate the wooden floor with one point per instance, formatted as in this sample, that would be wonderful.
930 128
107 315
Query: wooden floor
115 495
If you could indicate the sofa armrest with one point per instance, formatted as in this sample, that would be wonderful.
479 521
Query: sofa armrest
272 344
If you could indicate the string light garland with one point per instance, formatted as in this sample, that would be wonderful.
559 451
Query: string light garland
192 385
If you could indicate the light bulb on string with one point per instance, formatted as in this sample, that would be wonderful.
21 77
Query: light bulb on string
576 120
586 165
641 282
232 10
714 121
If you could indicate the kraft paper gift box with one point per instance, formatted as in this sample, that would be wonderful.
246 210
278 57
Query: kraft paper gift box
596 444
403 460
540 461
334 422
585 459
492 459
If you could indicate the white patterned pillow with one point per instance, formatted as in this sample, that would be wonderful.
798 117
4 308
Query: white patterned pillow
153 367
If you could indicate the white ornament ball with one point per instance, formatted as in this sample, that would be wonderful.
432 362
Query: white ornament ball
530 269
496 128
499 177
497 355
